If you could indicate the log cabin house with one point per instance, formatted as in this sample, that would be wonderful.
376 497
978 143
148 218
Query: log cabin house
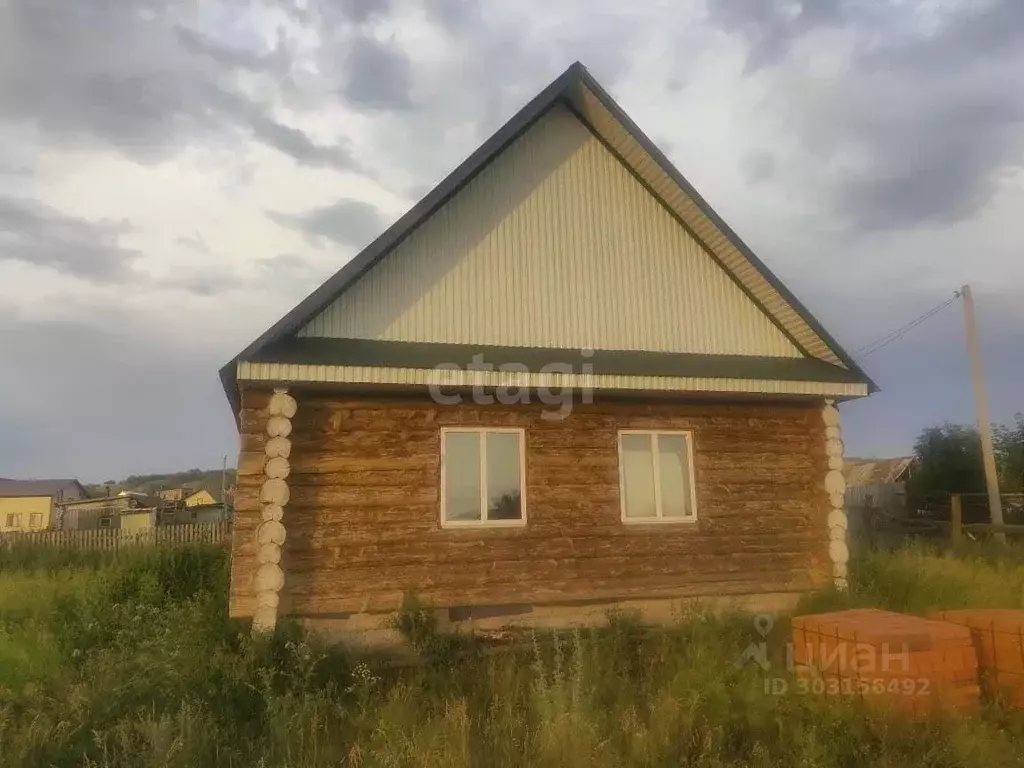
559 383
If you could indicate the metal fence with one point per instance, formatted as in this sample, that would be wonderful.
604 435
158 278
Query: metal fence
114 539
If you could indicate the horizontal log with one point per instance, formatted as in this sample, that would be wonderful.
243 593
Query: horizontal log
363 517
310 463
334 496
390 596
389 477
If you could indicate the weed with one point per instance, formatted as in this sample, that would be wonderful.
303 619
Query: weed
132 661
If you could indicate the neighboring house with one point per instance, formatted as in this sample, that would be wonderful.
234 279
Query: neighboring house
137 520
198 505
207 505
558 384
106 512
34 505
878 483
173 494
201 498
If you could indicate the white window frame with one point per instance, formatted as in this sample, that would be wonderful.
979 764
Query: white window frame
31 517
659 519
484 522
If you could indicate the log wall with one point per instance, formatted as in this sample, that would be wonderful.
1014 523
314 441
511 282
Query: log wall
364 517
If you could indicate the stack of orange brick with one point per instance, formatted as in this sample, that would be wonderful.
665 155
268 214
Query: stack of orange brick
916 664
998 636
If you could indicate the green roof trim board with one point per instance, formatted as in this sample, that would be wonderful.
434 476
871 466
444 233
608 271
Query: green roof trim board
407 354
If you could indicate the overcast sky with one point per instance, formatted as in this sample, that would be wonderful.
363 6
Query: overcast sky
174 176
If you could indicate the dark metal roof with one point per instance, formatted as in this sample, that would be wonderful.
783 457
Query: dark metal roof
53 488
565 90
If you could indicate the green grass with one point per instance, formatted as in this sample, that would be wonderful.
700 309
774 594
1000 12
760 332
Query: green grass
131 661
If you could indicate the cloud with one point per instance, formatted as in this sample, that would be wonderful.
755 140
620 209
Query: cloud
291 141
235 58
132 77
379 75
347 222
109 73
771 26
108 394
34 233
918 125
361 11
758 166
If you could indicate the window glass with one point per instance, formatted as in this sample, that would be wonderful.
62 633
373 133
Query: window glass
504 495
638 476
674 471
462 475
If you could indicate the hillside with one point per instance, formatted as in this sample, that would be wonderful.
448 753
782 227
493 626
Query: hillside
150 484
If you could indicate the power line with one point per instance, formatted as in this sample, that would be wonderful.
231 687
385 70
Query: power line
903 330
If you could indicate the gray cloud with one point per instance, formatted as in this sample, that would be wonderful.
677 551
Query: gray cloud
194 242
293 275
771 26
208 282
348 222
34 233
284 138
361 11
758 166
453 15
108 376
235 58
379 75
130 76
920 126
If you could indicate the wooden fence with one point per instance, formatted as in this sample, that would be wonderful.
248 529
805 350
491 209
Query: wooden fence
114 539
960 516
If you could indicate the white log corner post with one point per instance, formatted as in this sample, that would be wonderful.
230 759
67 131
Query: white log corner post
835 484
270 534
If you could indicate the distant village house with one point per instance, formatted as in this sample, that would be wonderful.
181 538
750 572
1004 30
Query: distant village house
33 505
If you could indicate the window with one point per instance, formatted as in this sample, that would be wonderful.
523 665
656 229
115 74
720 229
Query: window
14 519
656 477
105 522
482 477
35 520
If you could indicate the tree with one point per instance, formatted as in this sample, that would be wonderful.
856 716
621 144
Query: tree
1008 446
948 461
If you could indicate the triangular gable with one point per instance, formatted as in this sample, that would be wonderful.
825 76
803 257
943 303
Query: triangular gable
578 92
555 244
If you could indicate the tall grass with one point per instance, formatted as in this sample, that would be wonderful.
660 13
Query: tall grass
131 661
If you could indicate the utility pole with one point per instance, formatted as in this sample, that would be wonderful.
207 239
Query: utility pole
981 405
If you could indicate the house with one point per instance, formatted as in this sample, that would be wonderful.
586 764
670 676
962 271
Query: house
201 497
198 505
560 383
878 482
173 494
132 509
876 490
33 505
